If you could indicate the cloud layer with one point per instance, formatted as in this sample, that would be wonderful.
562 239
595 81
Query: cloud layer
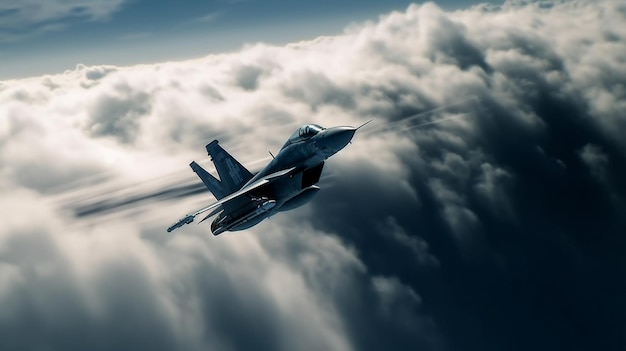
502 229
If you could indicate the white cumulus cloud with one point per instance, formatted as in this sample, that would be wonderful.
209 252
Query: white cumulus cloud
523 76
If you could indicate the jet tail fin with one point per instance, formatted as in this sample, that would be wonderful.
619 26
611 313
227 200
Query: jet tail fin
215 186
233 175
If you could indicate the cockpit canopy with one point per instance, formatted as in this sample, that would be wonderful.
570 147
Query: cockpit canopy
305 132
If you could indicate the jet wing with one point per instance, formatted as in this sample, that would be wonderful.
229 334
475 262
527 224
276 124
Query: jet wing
216 207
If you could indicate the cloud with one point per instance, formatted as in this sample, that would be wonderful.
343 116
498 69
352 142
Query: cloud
597 161
499 227
26 18
210 17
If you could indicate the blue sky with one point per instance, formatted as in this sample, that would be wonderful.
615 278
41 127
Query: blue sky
38 39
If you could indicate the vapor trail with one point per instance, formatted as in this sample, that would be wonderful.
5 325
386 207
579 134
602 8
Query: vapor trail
108 196
405 123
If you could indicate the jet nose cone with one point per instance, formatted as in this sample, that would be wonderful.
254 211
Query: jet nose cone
337 138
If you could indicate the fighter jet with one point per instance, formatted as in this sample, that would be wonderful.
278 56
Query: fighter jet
287 182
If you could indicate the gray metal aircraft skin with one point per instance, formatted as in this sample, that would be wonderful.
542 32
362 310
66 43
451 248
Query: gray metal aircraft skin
287 182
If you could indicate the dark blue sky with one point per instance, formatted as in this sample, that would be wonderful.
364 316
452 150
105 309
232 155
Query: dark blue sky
36 41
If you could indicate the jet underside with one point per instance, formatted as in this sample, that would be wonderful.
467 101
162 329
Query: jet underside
284 194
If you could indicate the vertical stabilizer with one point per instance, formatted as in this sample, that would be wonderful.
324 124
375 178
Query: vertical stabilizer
233 175
215 186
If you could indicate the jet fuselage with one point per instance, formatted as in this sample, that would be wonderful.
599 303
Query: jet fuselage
294 190
287 182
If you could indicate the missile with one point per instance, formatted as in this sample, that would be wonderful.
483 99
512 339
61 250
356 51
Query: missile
263 208
266 206
181 222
